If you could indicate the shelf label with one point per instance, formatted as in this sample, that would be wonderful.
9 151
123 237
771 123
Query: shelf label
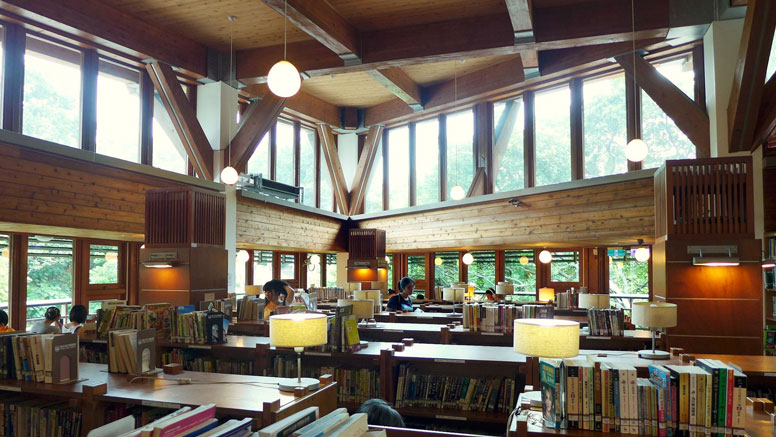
318 354
442 360
500 334
395 330
769 375
441 416
9 388
598 337
157 404
199 346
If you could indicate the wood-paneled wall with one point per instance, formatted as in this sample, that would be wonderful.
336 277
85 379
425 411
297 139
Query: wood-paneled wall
616 213
769 198
269 226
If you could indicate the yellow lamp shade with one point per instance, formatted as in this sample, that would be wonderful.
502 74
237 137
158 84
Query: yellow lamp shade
654 314
362 308
524 260
253 290
546 294
373 295
594 300
297 330
505 288
547 338
452 294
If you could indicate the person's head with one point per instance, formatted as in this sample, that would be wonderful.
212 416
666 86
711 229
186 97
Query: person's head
3 318
78 314
275 291
391 292
489 292
52 314
378 412
406 286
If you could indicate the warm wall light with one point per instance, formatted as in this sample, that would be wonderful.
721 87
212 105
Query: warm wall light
546 294
727 260
362 275
158 264
545 256
769 263
468 258
524 260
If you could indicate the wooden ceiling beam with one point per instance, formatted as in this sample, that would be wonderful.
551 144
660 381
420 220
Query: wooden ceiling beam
688 116
260 118
396 81
554 61
184 118
319 20
520 16
329 150
106 27
766 121
302 105
744 105
364 168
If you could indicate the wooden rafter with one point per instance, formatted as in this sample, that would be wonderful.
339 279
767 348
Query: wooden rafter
302 105
503 131
554 61
319 20
396 81
256 123
364 168
184 118
766 120
479 183
746 94
329 149
520 16
689 117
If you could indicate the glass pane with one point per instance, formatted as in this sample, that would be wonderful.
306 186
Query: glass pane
327 192
416 267
258 163
49 276
564 267
446 273
482 272
118 112
307 165
510 164
262 267
605 126
52 93
520 269
168 153
771 68
427 161
239 275
627 278
553 136
460 150
314 272
284 171
658 130
5 272
287 266
398 167
374 192
331 270
391 280
103 264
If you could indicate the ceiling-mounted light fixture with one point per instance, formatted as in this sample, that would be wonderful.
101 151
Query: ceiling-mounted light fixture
467 258
545 256
726 259
636 150
283 78
642 252
229 175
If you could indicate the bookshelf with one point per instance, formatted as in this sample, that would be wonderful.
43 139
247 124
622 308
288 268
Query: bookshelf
769 298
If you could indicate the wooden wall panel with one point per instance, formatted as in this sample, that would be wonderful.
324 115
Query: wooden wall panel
616 213
769 197
269 226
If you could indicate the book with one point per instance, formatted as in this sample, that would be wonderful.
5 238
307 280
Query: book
550 371
324 425
183 422
286 427
355 426
214 327
132 351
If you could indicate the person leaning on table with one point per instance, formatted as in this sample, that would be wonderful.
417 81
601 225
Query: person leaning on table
276 293
401 300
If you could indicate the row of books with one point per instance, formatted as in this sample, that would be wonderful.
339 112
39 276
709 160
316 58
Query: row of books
191 361
567 300
686 401
307 423
24 417
342 329
93 354
250 307
329 293
606 322
454 392
115 314
198 327
132 351
353 385
51 358
491 317
200 421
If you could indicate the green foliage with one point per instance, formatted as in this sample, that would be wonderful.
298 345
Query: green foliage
605 126
51 111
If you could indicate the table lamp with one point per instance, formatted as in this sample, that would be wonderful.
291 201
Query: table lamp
547 338
654 315
373 295
504 289
546 294
452 294
362 308
298 330
594 301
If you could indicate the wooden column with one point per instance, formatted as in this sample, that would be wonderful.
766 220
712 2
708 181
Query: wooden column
700 76
500 267
483 142
89 71
273 156
385 170
18 282
442 158
318 174
146 119
577 130
297 151
413 182
529 140
633 114
13 76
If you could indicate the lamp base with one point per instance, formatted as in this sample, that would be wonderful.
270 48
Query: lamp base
289 384
649 354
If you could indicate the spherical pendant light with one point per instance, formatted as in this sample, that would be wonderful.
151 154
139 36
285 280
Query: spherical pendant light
111 257
524 260
642 254
229 175
457 193
387 259
545 256
315 259
242 256
468 259
283 79
438 261
636 150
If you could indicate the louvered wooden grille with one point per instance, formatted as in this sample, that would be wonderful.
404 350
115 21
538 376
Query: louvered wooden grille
184 216
366 244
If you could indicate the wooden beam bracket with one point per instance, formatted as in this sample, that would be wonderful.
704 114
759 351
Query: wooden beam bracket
258 120
364 168
329 149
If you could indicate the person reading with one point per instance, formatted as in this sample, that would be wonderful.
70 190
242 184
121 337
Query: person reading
401 300
51 323
276 293
4 323
381 413
78 315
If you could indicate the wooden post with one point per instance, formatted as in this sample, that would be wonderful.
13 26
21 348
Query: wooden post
89 72
577 130
529 140
442 158
146 118
13 76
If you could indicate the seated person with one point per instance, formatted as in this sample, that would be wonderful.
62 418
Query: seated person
378 412
51 324
4 322
490 295
78 315
276 293
402 301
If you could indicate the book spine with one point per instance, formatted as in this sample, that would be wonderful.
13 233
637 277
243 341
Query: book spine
739 405
729 409
693 402
598 411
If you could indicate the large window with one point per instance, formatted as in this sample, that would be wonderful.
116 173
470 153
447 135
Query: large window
658 130
771 68
553 136
509 121
398 167
427 161
118 112
284 169
391 280
565 266
49 276
373 201
520 269
307 165
103 264
331 270
605 126
262 267
287 266
460 150
258 163
5 272
314 271
482 272
168 153
52 93
239 274
416 267
628 278
447 272
327 191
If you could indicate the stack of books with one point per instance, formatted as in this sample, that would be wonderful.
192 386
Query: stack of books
342 331
115 315
22 416
198 327
706 399
191 360
250 307
537 312
306 423
486 317
50 358
329 293
606 322
567 300
132 351
184 421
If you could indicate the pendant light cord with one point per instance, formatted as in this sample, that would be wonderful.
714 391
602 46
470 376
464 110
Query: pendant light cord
285 24
633 42
231 19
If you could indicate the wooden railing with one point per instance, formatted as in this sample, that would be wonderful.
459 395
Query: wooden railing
177 217
705 198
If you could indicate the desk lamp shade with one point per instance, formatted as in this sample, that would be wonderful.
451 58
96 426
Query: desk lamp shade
504 288
547 338
297 330
362 308
546 294
654 315
453 294
373 295
594 300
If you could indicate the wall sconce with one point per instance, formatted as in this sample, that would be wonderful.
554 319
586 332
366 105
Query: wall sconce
159 264
725 258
